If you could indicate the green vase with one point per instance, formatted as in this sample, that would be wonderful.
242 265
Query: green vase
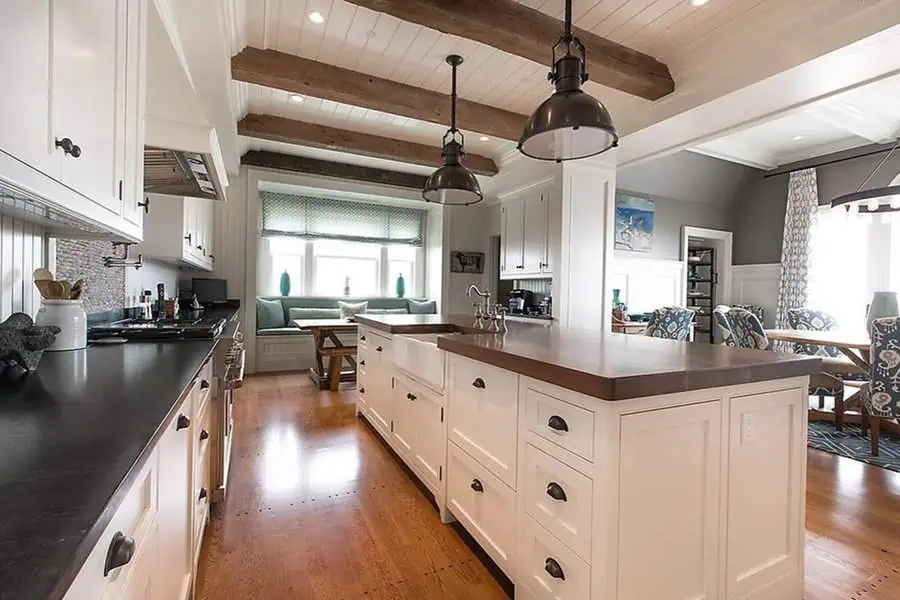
401 286
285 284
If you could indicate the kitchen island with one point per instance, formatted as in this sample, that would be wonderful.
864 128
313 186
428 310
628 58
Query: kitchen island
601 466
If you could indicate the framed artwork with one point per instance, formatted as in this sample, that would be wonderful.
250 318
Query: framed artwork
466 262
634 223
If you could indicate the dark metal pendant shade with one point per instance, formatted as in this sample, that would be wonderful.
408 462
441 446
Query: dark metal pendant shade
453 184
884 199
570 124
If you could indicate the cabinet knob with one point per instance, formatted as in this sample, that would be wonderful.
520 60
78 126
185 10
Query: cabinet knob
379 349
555 491
203 494
69 148
183 423
362 338
204 384
552 567
362 363
204 435
199 247
120 553
145 205
478 383
411 396
476 485
188 238
520 266
557 423
362 390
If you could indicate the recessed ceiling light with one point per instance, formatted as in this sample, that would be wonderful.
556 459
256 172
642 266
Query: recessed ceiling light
295 98
698 2
316 17
484 138
797 138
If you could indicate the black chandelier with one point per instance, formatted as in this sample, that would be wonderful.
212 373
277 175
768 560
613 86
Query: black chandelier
883 200
570 124
453 184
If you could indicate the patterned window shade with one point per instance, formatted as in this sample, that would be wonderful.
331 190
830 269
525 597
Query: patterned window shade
322 218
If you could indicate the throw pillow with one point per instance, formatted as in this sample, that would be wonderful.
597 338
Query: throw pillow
350 309
388 311
269 314
313 313
427 307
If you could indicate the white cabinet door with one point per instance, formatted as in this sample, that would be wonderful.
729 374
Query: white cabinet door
135 80
534 233
675 539
767 460
175 506
553 235
87 71
25 79
189 231
382 383
403 433
430 448
513 218
142 585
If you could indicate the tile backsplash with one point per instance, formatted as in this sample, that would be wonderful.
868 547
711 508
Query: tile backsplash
83 259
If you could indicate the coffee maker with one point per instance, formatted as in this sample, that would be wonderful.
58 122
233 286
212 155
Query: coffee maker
521 302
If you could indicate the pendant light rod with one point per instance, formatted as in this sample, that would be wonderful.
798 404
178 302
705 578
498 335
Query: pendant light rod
568 22
454 60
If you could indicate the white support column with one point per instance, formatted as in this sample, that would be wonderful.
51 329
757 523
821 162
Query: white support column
580 285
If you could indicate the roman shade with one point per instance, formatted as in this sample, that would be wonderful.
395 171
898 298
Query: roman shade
324 218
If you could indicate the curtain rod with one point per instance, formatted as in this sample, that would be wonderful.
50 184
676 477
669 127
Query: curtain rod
824 163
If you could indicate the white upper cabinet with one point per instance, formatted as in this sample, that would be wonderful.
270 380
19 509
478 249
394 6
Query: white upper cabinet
529 236
179 229
76 91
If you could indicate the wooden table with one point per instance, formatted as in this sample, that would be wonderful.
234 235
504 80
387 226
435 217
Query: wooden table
323 331
855 345
632 327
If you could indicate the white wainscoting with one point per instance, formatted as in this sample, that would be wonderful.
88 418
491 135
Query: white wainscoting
757 284
648 283
21 252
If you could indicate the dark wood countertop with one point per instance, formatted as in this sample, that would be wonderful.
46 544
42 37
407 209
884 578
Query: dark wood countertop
609 366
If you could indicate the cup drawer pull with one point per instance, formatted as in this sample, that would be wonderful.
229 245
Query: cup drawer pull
555 491
478 383
477 486
552 567
557 423
120 553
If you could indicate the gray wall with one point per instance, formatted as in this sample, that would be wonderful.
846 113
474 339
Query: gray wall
758 220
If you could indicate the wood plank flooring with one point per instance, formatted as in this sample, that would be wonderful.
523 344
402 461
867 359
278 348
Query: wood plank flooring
319 509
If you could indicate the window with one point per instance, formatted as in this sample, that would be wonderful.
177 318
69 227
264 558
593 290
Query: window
327 246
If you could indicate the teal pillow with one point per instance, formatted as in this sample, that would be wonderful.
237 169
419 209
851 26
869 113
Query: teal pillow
313 313
269 314
428 307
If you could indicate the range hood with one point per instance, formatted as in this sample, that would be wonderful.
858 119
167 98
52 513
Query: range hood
181 173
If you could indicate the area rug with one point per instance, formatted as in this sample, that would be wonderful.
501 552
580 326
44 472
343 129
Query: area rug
853 444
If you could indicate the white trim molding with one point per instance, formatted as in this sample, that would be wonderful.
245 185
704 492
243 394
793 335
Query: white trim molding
757 284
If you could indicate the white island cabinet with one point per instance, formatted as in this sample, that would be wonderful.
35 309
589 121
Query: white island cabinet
670 495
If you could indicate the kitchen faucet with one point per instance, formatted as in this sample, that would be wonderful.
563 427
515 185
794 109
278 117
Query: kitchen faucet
482 309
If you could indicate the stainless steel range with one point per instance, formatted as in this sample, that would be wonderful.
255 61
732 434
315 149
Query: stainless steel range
158 330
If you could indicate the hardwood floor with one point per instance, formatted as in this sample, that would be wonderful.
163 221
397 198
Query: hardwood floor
318 509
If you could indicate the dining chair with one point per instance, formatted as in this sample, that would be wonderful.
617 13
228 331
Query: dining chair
809 319
740 328
670 322
881 396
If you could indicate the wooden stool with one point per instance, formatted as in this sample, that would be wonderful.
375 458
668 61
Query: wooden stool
335 360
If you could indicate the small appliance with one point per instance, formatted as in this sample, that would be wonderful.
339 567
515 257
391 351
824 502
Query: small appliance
521 302
209 290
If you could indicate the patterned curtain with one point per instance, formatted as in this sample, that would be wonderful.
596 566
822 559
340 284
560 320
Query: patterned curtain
799 215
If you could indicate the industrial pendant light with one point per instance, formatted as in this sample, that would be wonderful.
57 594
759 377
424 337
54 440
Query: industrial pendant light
453 184
570 124
883 200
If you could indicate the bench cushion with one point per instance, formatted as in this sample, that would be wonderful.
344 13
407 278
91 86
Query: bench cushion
314 313
281 331
428 307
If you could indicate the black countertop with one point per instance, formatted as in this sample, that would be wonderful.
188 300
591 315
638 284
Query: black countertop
71 436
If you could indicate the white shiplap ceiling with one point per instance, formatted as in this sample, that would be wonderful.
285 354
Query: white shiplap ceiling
865 115
710 50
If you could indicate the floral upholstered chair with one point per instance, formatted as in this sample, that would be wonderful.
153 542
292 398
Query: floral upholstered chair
881 396
670 322
817 320
740 328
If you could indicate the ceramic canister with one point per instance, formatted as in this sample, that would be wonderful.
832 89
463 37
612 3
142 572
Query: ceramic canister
70 317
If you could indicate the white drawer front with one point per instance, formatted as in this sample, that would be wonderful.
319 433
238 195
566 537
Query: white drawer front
566 425
483 504
483 417
135 518
559 498
549 570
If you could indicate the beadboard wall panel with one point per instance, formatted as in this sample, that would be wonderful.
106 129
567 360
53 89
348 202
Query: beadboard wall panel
21 252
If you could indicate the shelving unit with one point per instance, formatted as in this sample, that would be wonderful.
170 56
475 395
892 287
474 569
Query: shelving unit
702 279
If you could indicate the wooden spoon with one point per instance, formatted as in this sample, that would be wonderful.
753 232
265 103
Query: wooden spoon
57 290
42 274
66 289
76 290
43 286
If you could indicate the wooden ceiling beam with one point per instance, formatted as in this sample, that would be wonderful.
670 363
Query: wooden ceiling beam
529 33
276 161
280 129
298 75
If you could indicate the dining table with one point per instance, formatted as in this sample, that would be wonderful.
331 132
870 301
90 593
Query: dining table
328 345
852 367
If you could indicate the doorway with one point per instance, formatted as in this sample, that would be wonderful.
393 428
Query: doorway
706 260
